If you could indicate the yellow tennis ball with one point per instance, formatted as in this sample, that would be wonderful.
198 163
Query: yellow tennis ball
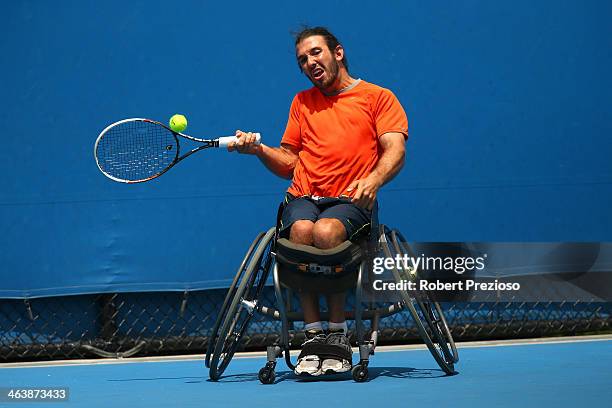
178 123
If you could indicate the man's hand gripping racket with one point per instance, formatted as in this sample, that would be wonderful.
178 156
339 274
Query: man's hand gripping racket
138 150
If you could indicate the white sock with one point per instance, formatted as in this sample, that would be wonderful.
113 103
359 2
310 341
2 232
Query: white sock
333 326
318 326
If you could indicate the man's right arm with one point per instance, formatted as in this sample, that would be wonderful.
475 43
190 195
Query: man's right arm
279 160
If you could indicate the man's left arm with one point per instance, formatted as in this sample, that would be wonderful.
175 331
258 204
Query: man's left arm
389 164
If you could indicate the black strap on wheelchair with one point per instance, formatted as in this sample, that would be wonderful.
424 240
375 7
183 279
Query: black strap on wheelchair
303 258
324 351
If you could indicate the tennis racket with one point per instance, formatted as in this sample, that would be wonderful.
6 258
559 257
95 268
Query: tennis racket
138 150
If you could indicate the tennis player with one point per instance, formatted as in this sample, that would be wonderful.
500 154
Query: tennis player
344 140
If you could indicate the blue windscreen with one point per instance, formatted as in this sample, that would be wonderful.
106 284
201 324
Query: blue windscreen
508 105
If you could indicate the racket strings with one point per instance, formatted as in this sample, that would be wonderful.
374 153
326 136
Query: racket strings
136 150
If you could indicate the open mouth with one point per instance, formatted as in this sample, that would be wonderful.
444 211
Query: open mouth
317 73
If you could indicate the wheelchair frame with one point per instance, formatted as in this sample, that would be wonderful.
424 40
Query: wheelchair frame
242 302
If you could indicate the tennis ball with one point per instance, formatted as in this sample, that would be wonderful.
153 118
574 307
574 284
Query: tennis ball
178 123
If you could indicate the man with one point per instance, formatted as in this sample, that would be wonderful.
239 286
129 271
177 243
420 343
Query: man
344 140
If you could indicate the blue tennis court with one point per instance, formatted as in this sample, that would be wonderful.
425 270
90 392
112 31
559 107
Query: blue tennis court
560 372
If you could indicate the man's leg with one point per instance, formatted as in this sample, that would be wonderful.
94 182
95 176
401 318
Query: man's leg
308 362
329 233
302 233
297 224
336 224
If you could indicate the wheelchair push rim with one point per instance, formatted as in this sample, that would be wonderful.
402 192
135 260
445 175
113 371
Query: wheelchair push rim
431 335
238 315
212 339
431 309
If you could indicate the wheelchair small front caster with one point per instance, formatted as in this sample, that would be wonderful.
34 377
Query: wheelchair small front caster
267 374
360 373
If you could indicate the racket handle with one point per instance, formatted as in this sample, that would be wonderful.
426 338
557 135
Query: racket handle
224 141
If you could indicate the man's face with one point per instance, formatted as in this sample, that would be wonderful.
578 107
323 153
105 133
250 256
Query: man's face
316 60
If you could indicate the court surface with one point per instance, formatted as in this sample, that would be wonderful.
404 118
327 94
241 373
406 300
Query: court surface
563 372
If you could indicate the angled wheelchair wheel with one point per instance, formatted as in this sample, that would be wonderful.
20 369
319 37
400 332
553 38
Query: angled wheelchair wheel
229 297
236 318
429 308
426 314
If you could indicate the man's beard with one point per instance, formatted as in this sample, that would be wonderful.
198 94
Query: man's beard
331 75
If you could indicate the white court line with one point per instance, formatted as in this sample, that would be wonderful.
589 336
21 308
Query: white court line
262 354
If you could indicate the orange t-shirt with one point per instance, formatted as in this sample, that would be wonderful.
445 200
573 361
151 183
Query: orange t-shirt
337 136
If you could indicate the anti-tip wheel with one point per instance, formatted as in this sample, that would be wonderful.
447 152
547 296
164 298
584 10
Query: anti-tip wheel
360 373
267 375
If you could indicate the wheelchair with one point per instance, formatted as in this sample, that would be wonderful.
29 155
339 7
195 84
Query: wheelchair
339 269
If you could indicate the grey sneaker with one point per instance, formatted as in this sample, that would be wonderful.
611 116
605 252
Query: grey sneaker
339 365
310 364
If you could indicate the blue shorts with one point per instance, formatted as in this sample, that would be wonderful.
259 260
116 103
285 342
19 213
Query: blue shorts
356 220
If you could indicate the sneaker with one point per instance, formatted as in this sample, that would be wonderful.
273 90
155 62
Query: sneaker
310 364
331 365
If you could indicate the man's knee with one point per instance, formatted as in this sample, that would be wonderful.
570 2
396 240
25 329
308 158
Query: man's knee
301 232
328 233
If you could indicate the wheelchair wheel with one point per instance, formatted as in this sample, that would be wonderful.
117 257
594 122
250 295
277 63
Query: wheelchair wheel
237 316
212 339
430 309
427 322
360 372
267 375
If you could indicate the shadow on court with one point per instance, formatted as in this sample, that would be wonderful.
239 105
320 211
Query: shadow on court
374 373
192 379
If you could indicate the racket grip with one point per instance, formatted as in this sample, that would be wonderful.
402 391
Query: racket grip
224 141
